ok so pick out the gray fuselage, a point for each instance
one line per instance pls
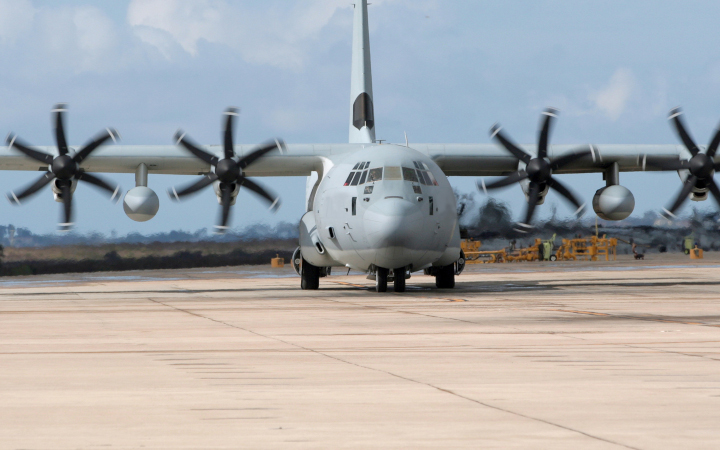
(389, 206)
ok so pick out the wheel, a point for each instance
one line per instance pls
(381, 277)
(445, 278)
(399, 279)
(310, 276)
(553, 258)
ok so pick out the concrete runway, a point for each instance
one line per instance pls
(590, 356)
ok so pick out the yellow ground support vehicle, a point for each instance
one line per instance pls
(531, 253)
(589, 249)
(473, 255)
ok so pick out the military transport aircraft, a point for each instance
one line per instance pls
(387, 210)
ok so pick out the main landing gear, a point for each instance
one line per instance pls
(445, 277)
(310, 276)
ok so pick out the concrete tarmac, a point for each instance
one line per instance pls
(563, 356)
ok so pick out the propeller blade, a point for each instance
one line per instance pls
(225, 201)
(549, 114)
(59, 111)
(102, 184)
(510, 179)
(667, 165)
(568, 158)
(66, 193)
(260, 152)
(715, 191)
(256, 188)
(682, 196)
(94, 144)
(682, 132)
(14, 142)
(231, 113)
(203, 182)
(180, 139)
(30, 190)
(712, 148)
(496, 132)
(532, 203)
(567, 193)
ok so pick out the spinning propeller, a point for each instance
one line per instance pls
(228, 171)
(537, 170)
(700, 165)
(64, 168)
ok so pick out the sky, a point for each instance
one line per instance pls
(443, 71)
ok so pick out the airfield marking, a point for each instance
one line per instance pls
(647, 319)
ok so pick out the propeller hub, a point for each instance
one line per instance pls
(227, 170)
(701, 166)
(64, 167)
(538, 170)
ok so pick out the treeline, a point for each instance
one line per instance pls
(23, 237)
(492, 223)
(114, 262)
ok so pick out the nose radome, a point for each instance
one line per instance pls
(394, 225)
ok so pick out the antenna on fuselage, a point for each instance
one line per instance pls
(406, 139)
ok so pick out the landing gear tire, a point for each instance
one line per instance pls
(399, 279)
(445, 278)
(310, 276)
(553, 258)
(381, 277)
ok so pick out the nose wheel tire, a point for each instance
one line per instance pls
(399, 279)
(445, 278)
(310, 276)
(381, 278)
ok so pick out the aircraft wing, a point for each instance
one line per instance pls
(302, 159)
(492, 160)
(295, 160)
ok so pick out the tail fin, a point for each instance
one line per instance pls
(362, 114)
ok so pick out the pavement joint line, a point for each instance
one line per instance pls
(432, 386)
(646, 319)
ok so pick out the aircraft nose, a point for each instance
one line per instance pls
(394, 225)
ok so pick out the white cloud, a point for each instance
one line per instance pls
(76, 39)
(613, 98)
(279, 33)
(16, 17)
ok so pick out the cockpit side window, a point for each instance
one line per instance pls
(424, 174)
(356, 178)
(409, 174)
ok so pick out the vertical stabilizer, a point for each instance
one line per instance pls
(362, 113)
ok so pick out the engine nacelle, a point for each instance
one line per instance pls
(233, 195)
(141, 203)
(57, 193)
(525, 186)
(700, 190)
(613, 202)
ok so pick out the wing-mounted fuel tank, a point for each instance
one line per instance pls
(141, 203)
(311, 243)
(613, 202)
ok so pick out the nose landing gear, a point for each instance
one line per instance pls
(382, 275)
